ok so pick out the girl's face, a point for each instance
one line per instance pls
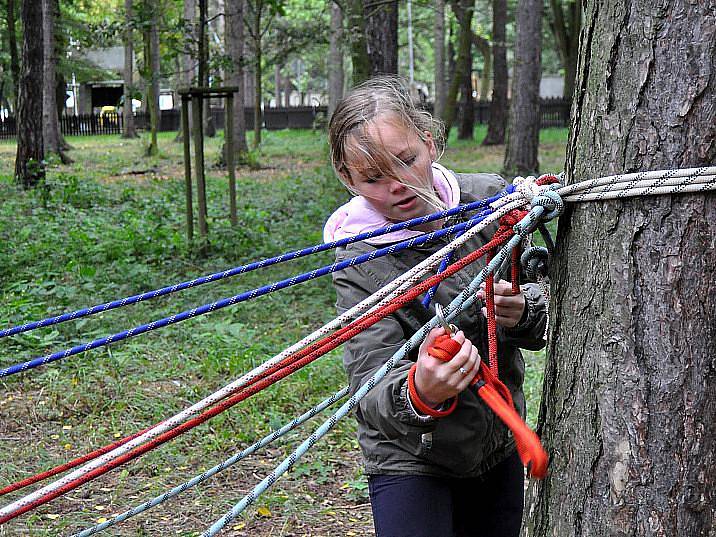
(409, 159)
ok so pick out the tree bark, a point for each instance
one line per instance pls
(10, 18)
(629, 405)
(521, 156)
(151, 56)
(439, 36)
(483, 45)
(256, 24)
(235, 73)
(335, 58)
(467, 119)
(203, 51)
(357, 41)
(128, 130)
(496, 126)
(50, 118)
(381, 35)
(30, 156)
(464, 10)
(566, 28)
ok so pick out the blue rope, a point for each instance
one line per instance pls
(249, 267)
(462, 301)
(218, 468)
(247, 295)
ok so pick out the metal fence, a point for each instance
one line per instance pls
(554, 113)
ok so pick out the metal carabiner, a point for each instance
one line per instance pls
(451, 329)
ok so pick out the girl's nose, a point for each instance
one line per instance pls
(396, 185)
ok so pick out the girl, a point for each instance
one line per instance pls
(458, 475)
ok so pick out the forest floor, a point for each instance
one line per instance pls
(112, 225)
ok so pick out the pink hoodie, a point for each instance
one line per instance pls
(358, 215)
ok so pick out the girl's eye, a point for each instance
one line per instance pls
(408, 161)
(371, 180)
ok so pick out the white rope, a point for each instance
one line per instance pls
(382, 296)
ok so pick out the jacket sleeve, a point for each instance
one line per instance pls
(528, 333)
(386, 407)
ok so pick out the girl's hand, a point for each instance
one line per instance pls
(435, 380)
(508, 307)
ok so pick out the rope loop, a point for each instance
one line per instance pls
(551, 201)
(535, 261)
(527, 186)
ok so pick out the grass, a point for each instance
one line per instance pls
(111, 225)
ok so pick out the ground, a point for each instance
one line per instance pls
(111, 225)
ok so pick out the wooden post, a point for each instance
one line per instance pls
(229, 144)
(187, 168)
(196, 105)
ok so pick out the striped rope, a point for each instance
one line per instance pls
(462, 301)
(302, 358)
(158, 500)
(231, 301)
(288, 256)
(501, 207)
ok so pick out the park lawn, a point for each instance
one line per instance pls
(111, 225)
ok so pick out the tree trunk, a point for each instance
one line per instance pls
(566, 29)
(381, 35)
(439, 36)
(523, 137)
(50, 119)
(467, 119)
(256, 23)
(127, 114)
(30, 156)
(463, 11)
(12, 45)
(151, 56)
(235, 10)
(209, 127)
(335, 58)
(277, 84)
(357, 41)
(483, 45)
(498, 104)
(629, 407)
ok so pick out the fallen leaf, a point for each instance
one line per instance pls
(264, 511)
(53, 516)
(101, 520)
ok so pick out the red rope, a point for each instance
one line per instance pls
(276, 372)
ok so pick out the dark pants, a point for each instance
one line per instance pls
(423, 506)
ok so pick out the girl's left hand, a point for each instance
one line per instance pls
(508, 307)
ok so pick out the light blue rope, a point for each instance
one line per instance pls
(218, 468)
(251, 266)
(462, 301)
(247, 295)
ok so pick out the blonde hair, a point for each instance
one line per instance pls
(382, 96)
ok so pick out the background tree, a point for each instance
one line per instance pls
(565, 21)
(234, 13)
(128, 130)
(52, 139)
(357, 40)
(152, 69)
(439, 80)
(523, 138)
(30, 156)
(335, 58)
(629, 404)
(498, 103)
(381, 32)
(10, 18)
(464, 10)
(203, 65)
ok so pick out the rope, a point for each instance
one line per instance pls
(463, 300)
(501, 206)
(219, 304)
(158, 500)
(291, 365)
(288, 256)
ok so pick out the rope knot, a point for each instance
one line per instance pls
(551, 201)
(535, 261)
(527, 186)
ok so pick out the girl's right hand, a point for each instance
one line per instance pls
(437, 381)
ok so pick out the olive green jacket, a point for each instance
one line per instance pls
(393, 438)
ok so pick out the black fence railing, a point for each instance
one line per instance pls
(554, 112)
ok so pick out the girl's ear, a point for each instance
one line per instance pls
(430, 143)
